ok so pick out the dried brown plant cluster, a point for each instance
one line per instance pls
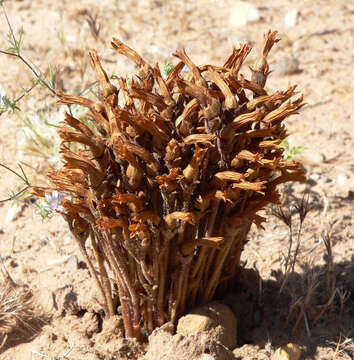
(167, 186)
(16, 308)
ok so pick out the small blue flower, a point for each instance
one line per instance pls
(53, 201)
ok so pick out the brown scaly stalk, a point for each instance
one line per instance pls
(168, 185)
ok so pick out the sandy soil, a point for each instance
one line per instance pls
(316, 53)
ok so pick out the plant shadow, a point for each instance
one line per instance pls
(304, 312)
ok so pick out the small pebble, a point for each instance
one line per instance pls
(287, 352)
(207, 357)
(342, 179)
(243, 13)
(315, 177)
(311, 158)
(290, 18)
(14, 212)
(67, 239)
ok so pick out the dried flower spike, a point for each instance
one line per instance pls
(169, 182)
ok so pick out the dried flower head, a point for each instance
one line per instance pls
(169, 181)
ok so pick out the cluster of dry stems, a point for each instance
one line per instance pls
(167, 186)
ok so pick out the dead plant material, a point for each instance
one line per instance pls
(16, 308)
(314, 291)
(156, 187)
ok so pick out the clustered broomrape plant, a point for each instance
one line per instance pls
(167, 186)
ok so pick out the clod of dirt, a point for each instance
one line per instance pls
(164, 346)
(216, 319)
(93, 323)
(66, 301)
(111, 341)
(287, 352)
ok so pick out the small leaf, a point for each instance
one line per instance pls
(167, 69)
(51, 77)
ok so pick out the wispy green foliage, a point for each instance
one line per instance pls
(291, 151)
(167, 69)
(7, 105)
(16, 43)
(42, 211)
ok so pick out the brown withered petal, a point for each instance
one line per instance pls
(252, 85)
(134, 202)
(214, 242)
(109, 223)
(238, 56)
(237, 88)
(125, 50)
(188, 110)
(288, 176)
(66, 99)
(164, 91)
(228, 194)
(78, 161)
(79, 207)
(270, 144)
(203, 201)
(107, 88)
(140, 230)
(169, 181)
(240, 121)
(191, 172)
(147, 216)
(282, 112)
(145, 155)
(129, 102)
(198, 78)
(69, 135)
(260, 133)
(173, 75)
(205, 139)
(260, 69)
(268, 100)
(78, 125)
(171, 219)
(173, 151)
(257, 186)
(271, 163)
(250, 156)
(197, 92)
(153, 99)
(230, 176)
(149, 126)
(230, 100)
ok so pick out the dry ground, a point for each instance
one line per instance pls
(316, 53)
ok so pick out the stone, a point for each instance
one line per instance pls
(14, 212)
(290, 18)
(287, 352)
(243, 13)
(200, 346)
(341, 179)
(214, 318)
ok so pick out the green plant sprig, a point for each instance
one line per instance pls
(291, 151)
